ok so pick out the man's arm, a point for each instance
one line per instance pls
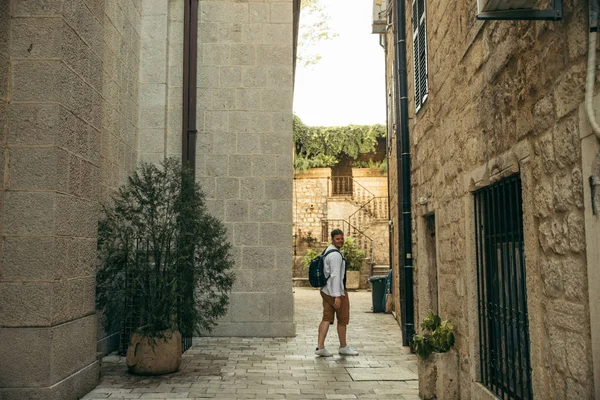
(336, 277)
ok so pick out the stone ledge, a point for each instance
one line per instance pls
(73, 387)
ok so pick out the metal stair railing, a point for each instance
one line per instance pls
(347, 185)
(376, 208)
(363, 241)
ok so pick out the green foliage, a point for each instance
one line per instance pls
(165, 262)
(322, 146)
(353, 255)
(380, 165)
(438, 336)
(310, 255)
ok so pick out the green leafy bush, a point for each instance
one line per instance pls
(310, 255)
(165, 262)
(323, 146)
(438, 336)
(353, 255)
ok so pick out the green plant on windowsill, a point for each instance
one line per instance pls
(438, 336)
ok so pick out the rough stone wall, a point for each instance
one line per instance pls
(309, 202)
(69, 134)
(394, 198)
(374, 181)
(244, 140)
(495, 89)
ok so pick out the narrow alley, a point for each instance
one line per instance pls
(282, 368)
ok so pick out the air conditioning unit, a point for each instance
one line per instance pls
(518, 10)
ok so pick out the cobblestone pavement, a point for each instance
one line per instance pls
(282, 368)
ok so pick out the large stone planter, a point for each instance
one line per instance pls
(352, 279)
(438, 376)
(154, 356)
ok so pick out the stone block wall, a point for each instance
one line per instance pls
(504, 98)
(68, 124)
(244, 140)
(312, 204)
(375, 181)
(309, 202)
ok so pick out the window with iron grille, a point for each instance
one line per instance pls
(505, 365)
(419, 26)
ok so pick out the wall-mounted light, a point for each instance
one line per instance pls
(422, 201)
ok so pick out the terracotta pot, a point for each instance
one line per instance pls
(352, 279)
(154, 356)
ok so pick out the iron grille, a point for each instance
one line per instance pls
(503, 321)
(143, 250)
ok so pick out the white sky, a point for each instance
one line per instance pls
(347, 86)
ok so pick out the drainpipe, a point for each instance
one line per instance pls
(190, 65)
(403, 171)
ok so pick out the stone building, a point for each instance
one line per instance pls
(504, 232)
(357, 204)
(90, 88)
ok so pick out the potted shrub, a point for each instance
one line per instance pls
(354, 261)
(165, 265)
(438, 365)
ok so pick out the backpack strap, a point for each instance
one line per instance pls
(326, 253)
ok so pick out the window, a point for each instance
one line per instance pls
(420, 53)
(505, 365)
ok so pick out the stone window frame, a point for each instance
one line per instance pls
(515, 160)
(419, 35)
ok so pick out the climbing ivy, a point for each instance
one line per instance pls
(323, 146)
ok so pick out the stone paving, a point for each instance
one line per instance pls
(282, 368)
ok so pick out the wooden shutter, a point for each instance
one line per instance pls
(419, 26)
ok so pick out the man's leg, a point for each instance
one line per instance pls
(341, 329)
(328, 315)
(323, 329)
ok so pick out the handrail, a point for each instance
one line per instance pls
(354, 181)
(324, 238)
(349, 225)
(364, 207)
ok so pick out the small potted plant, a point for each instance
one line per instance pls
(354, 261)
(165, 265)
(437, 365)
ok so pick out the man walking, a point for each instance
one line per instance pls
(335, 297)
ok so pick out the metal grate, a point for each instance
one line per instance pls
(503, 322)
(143, 251)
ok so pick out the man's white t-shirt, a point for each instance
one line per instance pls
(335, 267)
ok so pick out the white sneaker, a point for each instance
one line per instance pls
(322, 352)
(348, 351)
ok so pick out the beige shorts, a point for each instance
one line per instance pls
(342, 314)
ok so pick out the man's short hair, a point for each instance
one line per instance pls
(336, 232)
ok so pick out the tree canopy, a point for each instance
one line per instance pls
(323, 146)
